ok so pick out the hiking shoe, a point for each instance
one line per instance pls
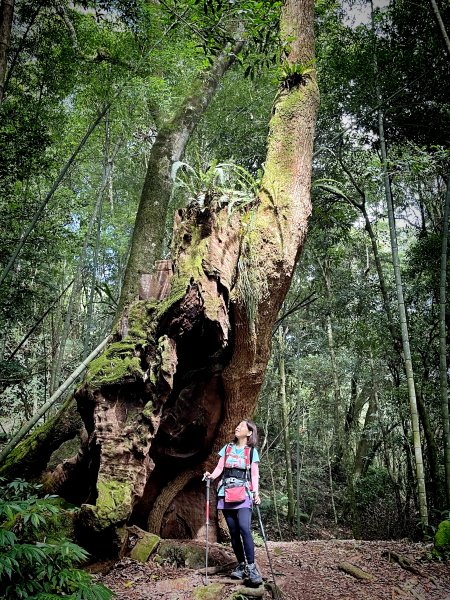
(253, 575)
(239, 571)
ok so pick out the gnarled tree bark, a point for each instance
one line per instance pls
(146, 248)
(183, 369)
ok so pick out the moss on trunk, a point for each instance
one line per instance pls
(181, 372)
(149, 389)
(169, 146)
(30, 457)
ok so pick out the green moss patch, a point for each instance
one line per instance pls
(147, 411)
(62, 527)
(68, 449)
(442, 541)
(116, 365)
(181, 554)
(113, 501)
(178, 290)
(213, 591)
(144, 547)
(16, 461)
(140, 320)
(119, 363)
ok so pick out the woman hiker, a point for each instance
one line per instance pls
(238, 489)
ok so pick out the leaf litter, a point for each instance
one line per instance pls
(304, 570)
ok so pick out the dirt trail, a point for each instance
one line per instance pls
(309, 570)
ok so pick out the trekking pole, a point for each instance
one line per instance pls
(267, 549)
(208, 485)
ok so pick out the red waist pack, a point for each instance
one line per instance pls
(235, 494)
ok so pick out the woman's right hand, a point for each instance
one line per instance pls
(206, 475)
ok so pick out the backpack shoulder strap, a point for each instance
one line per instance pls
(227, 452)
(248, 456)
(248, 461)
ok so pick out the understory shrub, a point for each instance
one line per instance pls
(382, 513)
(441, 548)
(31, 564)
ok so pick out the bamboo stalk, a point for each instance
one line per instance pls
(437, 12)
(35, 418)
(443, 345)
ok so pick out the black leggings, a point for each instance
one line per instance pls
(239, 523)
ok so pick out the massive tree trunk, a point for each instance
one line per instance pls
(168, 148)
(186, 368)
(187, 365)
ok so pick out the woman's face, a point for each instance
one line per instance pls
(242, 430)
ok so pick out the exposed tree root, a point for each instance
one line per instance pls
(403, 561)
(355, 571)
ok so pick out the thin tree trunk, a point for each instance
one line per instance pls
(76, 288)
(90, 300)
(420, 472)
(383, 287)
(24, 236)
(364, 452)
(44, 347)
(336, 386)
(330, 479)
(266, 430)
(443, 345)
(352, 412)
(441, 25)
(365, 442)
(285, 425)
(298, 469)
(390, 468)
(274, 498)
(168, 148)
(431, 450)
(334, 370)
(6, 20)
(54, 398)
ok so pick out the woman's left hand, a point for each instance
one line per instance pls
(256, 499)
